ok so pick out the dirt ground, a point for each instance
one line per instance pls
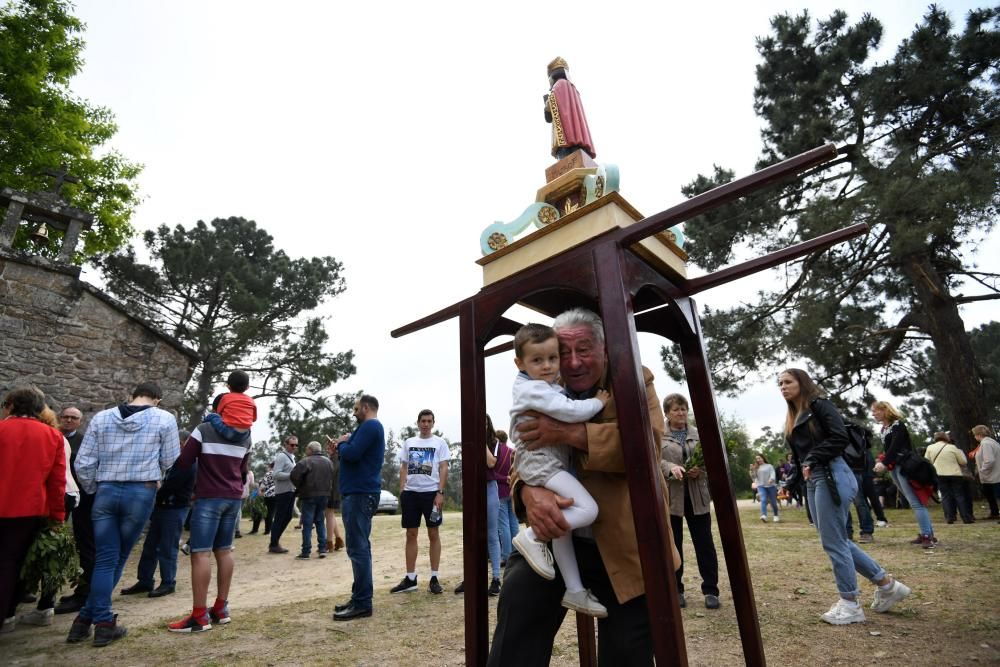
(281, 607)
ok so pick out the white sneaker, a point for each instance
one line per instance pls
(844, 613)
(8, 624)
(884, 600)
(776, 518)
(537, 554)
(882, 524)
(585, 603)
(763, 517)
(37, 617)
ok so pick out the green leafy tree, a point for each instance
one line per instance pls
(308, 420)
(918, 162)
(929, 390)
(227, 292)
(43, 125)
(390, 466)
(734, 434)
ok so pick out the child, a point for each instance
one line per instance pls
(234, 413)
(537, 358)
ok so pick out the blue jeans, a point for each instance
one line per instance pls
(768, 494)
(314, 512)
(120, 511)
(919, 510)
(864, 512)
(162, 539)
(357, 510)
(213, 523)
(846, 557)
(508, 527)
(492, 523)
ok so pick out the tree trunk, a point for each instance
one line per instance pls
(964, 400)
(199, 400)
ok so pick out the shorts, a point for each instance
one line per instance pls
(415, 504)
(213, 523)
(333, 503)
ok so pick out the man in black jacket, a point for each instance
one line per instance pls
(165, 526)
(313, 478)
(83, 530)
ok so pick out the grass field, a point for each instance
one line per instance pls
(282, 608)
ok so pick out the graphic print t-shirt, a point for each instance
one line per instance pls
(421, 457)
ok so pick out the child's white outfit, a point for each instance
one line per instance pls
(549, 467)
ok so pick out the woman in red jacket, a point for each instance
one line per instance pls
(32, 485)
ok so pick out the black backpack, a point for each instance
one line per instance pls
(859, 441)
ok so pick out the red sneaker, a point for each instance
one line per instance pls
(220, 616)
(191, 624)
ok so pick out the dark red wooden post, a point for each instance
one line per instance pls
(699, 380)
(477, 643)
(641, 462)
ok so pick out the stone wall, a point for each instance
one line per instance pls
(77, 344)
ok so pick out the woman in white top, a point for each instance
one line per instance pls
(766, 484)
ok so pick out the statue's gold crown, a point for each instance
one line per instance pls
(558, 63)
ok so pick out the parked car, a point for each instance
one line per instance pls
(387, 503)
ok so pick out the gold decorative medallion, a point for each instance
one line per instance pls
(497, 241)
(548, 215)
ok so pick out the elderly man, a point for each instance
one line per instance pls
(83, 530)
(530, 612)
(122, 459)
(313, 479)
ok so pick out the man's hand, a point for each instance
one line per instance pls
(806, 472)
(544, 512)
(544, 431)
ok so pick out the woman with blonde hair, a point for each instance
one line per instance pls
(896, 440)
(816, 434)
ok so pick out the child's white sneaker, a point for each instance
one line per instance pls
(537, 554)
(776, 519)
(585, 603)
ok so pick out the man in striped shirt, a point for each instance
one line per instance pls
(122, 459)
(222, 472)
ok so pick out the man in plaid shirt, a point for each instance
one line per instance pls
(122, 458)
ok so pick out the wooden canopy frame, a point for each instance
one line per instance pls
(607, 276)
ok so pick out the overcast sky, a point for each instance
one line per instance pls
(389, 134)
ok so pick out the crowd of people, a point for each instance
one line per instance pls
(558, 471)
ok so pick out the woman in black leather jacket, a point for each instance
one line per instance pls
(815, 432)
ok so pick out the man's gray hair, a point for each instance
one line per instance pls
(576, 317)
(314, 447)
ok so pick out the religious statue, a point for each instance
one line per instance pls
(565, 111)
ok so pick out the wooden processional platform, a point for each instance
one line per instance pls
(621, 273)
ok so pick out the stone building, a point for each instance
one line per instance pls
(75, 343)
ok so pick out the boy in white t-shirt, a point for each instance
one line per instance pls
(423, 472)
(537, 358)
